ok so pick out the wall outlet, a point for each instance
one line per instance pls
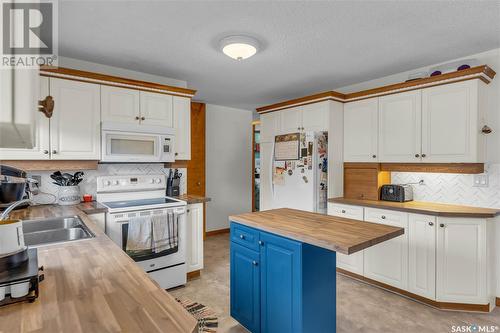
(481, 180)
(38, 178)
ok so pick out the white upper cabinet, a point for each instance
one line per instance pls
(462, 261)
(422, 255)
(399, 134)
(451, 123)
(41, 147)
(120, 105)
(269, 126)
(75, 124)
(291, 120)
(361, 131)
(182, 125)
(156, 109)
(315, 116)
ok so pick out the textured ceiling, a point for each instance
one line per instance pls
(308, 46)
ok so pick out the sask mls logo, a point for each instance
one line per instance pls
(29, 33)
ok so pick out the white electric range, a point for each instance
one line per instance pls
(126, 197)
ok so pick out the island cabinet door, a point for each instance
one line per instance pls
(245, 287)
(281, 279)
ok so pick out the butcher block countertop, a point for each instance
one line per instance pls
(92, 286)
(330, 232)
(421, 207)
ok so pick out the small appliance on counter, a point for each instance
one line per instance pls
(398, 193)
(20, 283)
(14, 186)
(173, 183)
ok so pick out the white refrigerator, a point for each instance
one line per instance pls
(294, 172)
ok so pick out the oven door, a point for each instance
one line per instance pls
(117, 230)
(131, 147)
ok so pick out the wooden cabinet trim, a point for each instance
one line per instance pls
(91, 77)
(483, 73)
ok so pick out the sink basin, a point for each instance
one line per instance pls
(55, 230)
(51, 224)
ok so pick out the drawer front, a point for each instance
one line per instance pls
(347, 211)
(245, 236)
(384, 216)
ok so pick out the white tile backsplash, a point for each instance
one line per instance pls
(453, 188)
(88, 185)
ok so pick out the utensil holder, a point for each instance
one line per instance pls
(69, 195)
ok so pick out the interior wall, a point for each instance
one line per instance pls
(117, 71)
(228, 164)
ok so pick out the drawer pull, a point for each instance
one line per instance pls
(441, 225)
(255, 263)
(261, 243)
(431, 223)
(343, 211)
(417, 155)
(242, 236)
(383, 217)
(374, 156)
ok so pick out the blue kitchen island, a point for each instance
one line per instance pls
(283, 267)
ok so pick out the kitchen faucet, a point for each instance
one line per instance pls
(7, 211)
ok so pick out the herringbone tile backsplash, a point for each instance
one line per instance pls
(453, 188)
(89, 184)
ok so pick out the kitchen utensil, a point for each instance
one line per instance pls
(11, 237)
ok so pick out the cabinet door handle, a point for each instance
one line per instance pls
(255, 263)
(137, 118)
(242, 237)
(383, 217)
(176, 154)
(431, 223)
(343, 211)
(417, 155)
(441, 225)
(143, 118)
(261, 243)
(45, 152)
(54, 151)
(374, 156)
(198, 183)
(188, 210)
(423, 155)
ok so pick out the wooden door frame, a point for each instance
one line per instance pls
(254, 124)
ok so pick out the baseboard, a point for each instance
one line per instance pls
(217, 232)
(193, 274)
(418, 298)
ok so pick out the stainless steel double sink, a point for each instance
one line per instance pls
(55, 230)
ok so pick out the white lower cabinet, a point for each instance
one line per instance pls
(422, 255)
(461, 260)
(194, 243)
(387, 262)
(446, 259)
(353, 262)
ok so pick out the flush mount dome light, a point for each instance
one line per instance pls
(239, 47)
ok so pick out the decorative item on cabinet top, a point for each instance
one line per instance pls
(91, 77)
(483, 73)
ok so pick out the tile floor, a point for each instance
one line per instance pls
(360, 307)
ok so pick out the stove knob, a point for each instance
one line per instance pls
(157, 180)
(107, 183)
(116, 182)
(152, 181)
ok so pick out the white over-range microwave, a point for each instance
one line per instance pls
(137, 143)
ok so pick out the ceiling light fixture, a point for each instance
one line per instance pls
(239, 47)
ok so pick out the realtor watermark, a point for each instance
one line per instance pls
(29, 33)
(474, 328)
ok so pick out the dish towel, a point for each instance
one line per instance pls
(165, 231)
(139, 234)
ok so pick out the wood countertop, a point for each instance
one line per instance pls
(192, 199)
(330, 232)
(93, 207)
(92, 286)
(421, 207)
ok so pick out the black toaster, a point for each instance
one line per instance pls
(399, 193)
